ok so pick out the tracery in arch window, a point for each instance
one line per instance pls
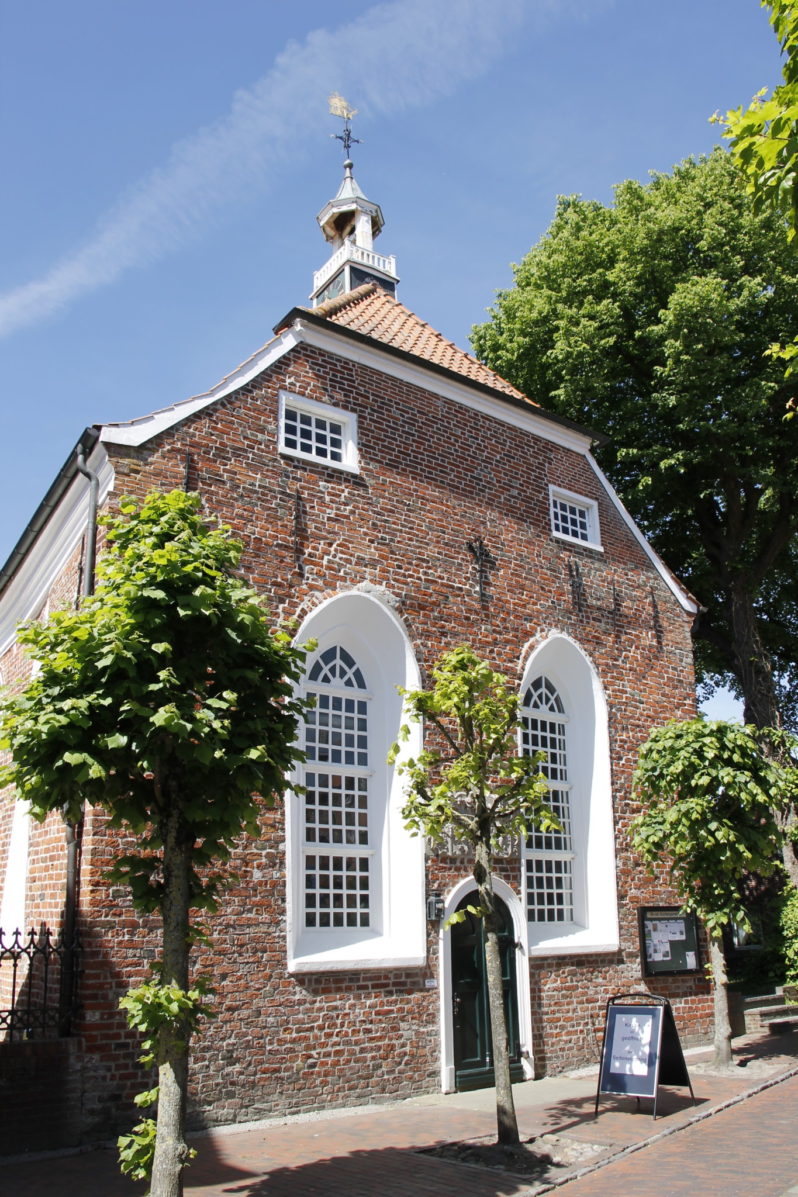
(337, 847)
(549, 856)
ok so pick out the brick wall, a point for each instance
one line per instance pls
(41, 1089)
(434, 476)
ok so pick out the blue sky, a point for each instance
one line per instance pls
(164, 162)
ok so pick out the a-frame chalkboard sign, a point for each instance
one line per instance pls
(641, 1048)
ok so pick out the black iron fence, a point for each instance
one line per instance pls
(38, 984)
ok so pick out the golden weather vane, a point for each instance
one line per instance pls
(340, 107)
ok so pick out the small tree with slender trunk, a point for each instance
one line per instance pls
(473, 781)
(167, 701)
(711, 793)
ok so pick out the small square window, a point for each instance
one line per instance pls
(573, 517)
(317, 432)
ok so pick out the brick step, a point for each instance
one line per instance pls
(779, 1024)
(759, 1017)
(757, 1001)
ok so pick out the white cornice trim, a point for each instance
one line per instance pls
(674, 585)
(137, 432)
(26, 593)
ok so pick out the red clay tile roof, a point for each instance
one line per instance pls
(374, 313)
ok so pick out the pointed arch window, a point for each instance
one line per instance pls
(337, 835)
(549, 856)
(355, 884)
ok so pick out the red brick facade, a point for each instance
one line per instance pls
(435, 474)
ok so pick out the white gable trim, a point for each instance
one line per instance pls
(685, 598)
(137, 432)
(55, 544)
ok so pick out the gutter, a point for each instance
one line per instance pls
(81, 453)
(73, 832)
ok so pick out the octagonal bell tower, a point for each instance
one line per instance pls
(350, 223)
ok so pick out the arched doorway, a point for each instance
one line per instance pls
(471, 1035)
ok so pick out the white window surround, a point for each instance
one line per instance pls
(370, 631)
(574, 518)
(317, 432)
(12, 901)
(595, 924)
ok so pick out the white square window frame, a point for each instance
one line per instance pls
(350, 461)
(588, 506)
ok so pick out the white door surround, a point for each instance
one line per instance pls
(515, 906)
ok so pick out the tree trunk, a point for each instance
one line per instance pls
(760, 702)
(171, 1151)
(720, 997)
(506, 1121)
(789, 850)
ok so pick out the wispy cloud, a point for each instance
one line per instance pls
(401, 54)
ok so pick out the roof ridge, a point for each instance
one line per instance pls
(379, 315)
(338, 302)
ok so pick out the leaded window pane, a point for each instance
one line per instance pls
(336, 667)
(337, 892)
(549, 855)
(336, 731)
(336, 809)
(550, 895)
(317, 436)
(570, 519)
(336, 800)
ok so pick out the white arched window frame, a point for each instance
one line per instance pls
(15, 875)
(15, 880)
(355, 875)
(569, 875)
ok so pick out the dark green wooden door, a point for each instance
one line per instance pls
(473, 1056)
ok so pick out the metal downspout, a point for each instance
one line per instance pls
(73, 830)
(91, 522)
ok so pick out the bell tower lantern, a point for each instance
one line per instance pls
(350, 223)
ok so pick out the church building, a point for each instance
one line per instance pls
(395, 498)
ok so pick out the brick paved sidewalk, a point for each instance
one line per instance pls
(747, 1150)
(367, 1153)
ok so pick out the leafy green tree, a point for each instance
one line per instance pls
(764, 136)
(650, 321)
(166, 701)
(788, 920)
(710, 791)
(474, 782)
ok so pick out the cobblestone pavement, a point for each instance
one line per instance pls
(741, 1137)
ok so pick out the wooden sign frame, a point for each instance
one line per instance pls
(640, 1050)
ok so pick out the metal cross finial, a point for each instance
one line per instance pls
(339, 107)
